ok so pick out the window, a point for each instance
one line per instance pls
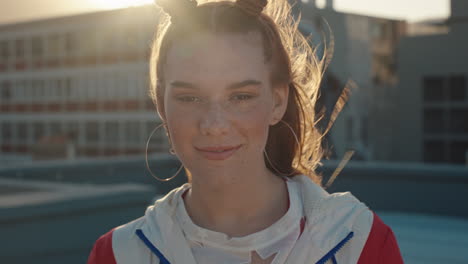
(71, 129)
(434, 151)
(7, 132)
(38, 89)
(65, 85)
(53, 46)
(37, 47)
(433, 89)
(458, 152)
(58, 91)
(22, 132)
(457, 88)
(434, 121)
(5, 90)
(92, 89)
(88, 47)
(55, 128)
(19, 48)
(112, 132)
(459, 121)
(70, 43)
(132, 132)
(20, 88)
(92, 131)
(110, 46)
(379, 30)
(4, 51)
(38, 131)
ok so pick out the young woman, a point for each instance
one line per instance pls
(235, 85)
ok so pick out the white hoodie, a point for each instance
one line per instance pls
(336, 230)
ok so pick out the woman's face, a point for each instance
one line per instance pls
(219, 101)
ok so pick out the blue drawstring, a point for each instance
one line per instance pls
(334, 260)
(332, 253)
(163, 260)
(323, 260)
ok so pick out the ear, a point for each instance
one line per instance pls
(280, 96)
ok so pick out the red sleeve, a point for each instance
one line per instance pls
(381, 246)
(102, 252)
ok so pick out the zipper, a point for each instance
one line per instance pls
(162, 259)
(331, 254)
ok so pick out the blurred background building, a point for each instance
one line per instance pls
(77, 86)
(432, 92)
(365, 52)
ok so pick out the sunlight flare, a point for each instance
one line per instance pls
(113, 4)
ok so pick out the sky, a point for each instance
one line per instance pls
(13, 11)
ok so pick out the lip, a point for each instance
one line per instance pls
(218, 152)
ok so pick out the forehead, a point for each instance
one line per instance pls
(217, 57)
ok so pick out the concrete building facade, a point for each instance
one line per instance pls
(365, 52)
(433, 94)
(83, 79)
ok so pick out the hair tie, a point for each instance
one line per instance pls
(253, 7)
(177, 9)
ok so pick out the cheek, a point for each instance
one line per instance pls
(255, 124)
(180, 125)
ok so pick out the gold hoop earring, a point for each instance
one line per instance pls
(268, 158)
(171, 149)
(147, 163)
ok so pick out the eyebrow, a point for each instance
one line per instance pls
(236, 85)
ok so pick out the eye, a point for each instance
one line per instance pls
(242, 97)
(188, 99)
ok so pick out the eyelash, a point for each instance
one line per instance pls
(194, 99)
(243, 97)
(188, 99)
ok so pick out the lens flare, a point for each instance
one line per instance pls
(113, 4)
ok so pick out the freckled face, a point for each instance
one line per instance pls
(219, 102)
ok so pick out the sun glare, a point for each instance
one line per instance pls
(113, 4)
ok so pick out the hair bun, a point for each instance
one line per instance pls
(177, 8)
(253, 7)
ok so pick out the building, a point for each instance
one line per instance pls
(365, 53)
(432, 93)
(83, 78)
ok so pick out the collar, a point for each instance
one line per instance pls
(330, 219)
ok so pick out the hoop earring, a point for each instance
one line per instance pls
(268, 158)
(171, 149)
(147, 163)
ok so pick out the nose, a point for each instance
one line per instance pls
(214, 121)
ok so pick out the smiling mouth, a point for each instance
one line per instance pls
(218, 153)
(217, 149)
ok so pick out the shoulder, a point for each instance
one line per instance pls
(124, 245)
(102, 252)
(119, 245)
(331, 217)
(341, 207)
(381, 245)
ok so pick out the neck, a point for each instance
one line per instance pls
(239, 205)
